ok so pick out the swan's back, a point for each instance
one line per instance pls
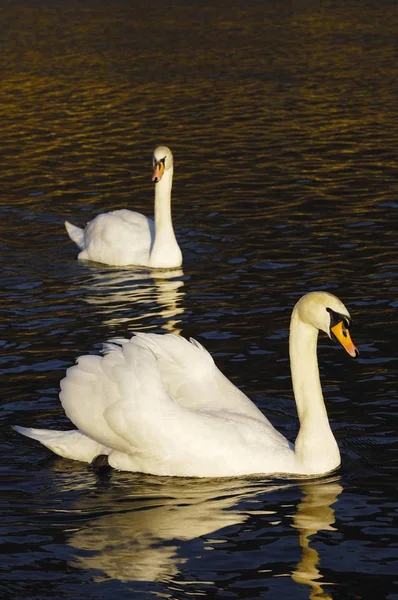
(122, 237)
(162, 406)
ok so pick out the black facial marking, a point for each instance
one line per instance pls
(157, 162)
(335, 318)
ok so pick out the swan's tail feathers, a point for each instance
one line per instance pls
(69, 444)
(76, 234)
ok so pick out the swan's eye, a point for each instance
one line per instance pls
(336, 317)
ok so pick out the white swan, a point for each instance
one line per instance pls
(158, 404)
(123, 237)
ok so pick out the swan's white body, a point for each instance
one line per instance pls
(158, 404)
(124, 237)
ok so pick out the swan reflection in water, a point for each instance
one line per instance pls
(143, 537)
(314, 514)
(127, 296)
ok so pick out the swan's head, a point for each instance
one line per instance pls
(162, 161)
(327, 313)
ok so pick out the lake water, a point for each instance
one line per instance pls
(282, 117)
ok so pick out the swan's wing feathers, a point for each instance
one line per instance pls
(175, 349)
(198, 345)
(88, 389)
(158, 404)
(187, 372)
(120, 237)
(89, 364)
(113, 345)
(113, 398)
(191, 378)
(135, 219)
(138, 415)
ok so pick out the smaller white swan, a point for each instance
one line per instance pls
(124, 237)
(158, 404)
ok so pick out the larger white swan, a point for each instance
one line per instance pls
(158, 404)
(124, 237)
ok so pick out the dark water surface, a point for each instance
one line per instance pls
(282, 117)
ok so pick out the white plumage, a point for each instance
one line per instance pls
(124, 237)
(158, 404)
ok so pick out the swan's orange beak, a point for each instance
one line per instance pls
(158, 170)
(342, 335)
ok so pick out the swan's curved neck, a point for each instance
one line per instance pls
(315, 446)
(165, 251)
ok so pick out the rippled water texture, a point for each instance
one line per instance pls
(282, 117)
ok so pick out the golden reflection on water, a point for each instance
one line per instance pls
(119, 293)
(314, 513)
(144, 544)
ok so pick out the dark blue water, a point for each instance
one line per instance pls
(282, 120)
